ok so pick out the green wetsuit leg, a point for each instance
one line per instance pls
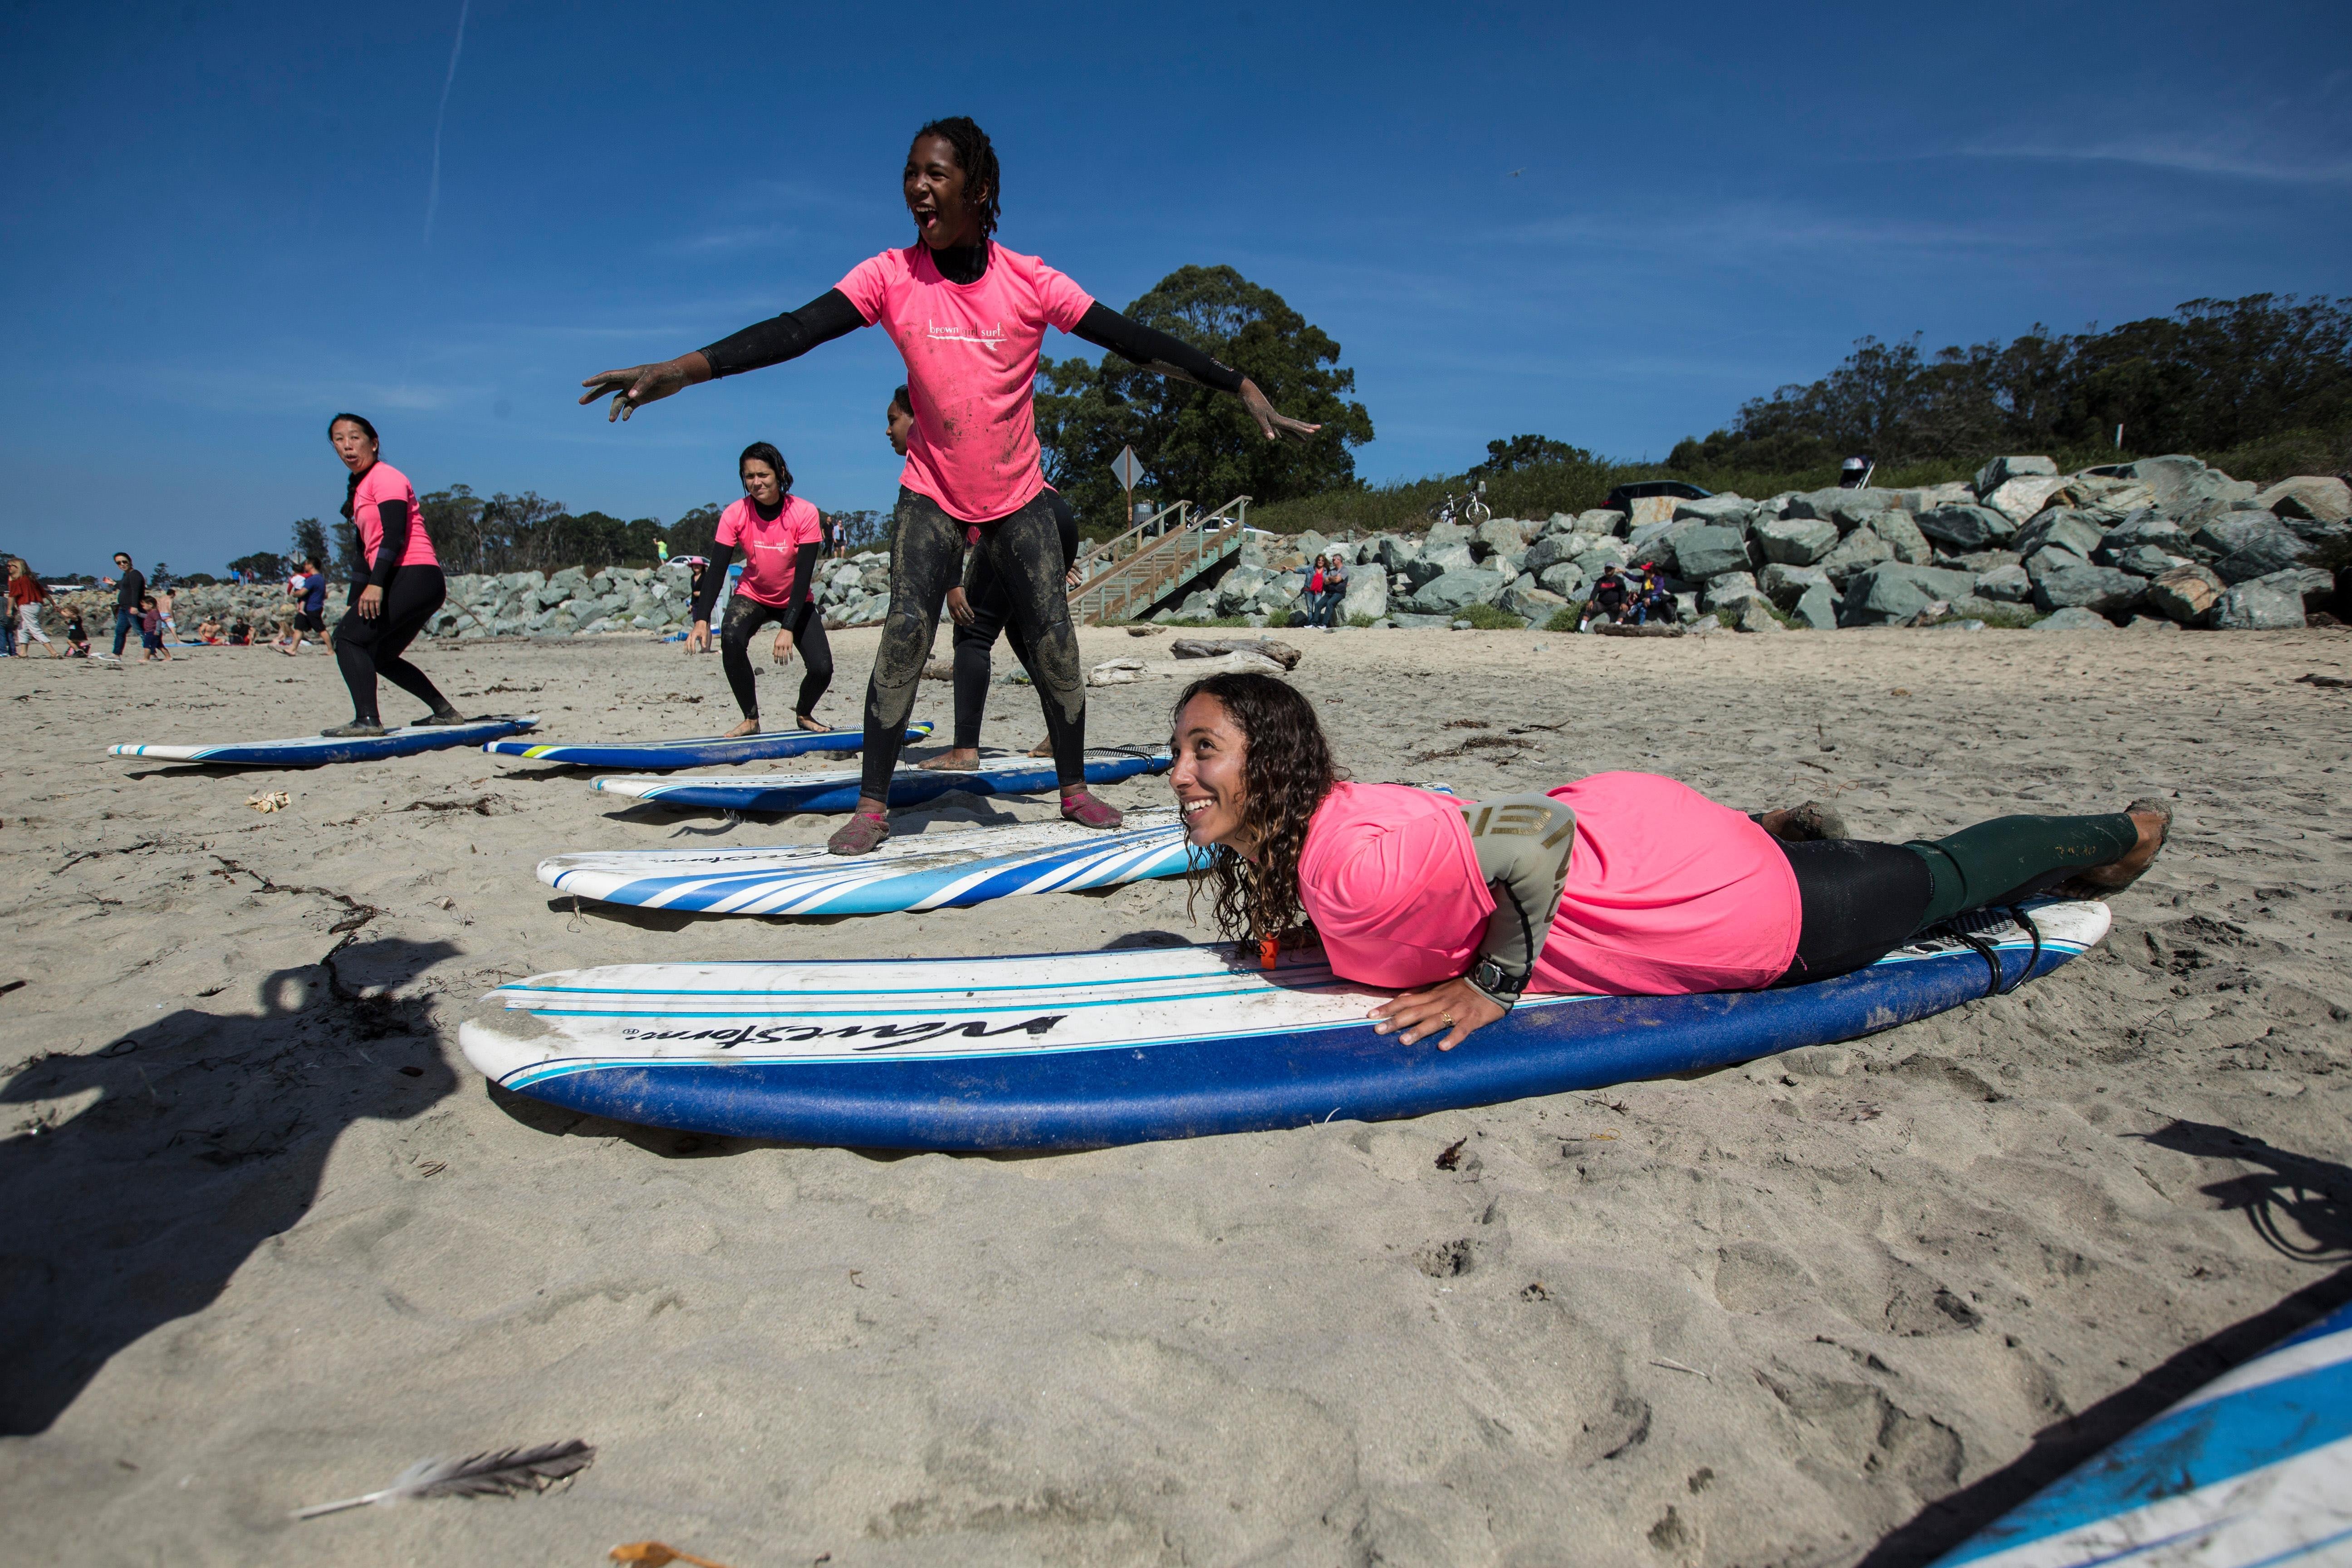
(2014, 858)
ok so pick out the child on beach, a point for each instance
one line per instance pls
(150, 632)
(77, 637)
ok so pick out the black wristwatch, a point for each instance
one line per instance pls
(1498, 985)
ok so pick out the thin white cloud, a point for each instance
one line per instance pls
(2234, 156)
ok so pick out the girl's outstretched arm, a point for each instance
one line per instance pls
(828, 316)
(1179, 361)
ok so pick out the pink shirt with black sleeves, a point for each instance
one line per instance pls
(381, 483)
(971, 367)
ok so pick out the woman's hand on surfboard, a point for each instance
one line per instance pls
(1274, 424)
(371, 601)
(1454, 1008)
(698, 637)
(642, 383)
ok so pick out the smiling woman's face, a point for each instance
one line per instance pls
(934, 184)
(1210, 790)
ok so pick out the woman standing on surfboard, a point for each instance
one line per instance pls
(396, 589)
(1620, 884)
(969, 315)
(781, 537)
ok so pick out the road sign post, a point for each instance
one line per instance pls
(1128, 470)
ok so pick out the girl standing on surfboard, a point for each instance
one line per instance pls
(395, 591)
(1620, 884)
(781, 537)
(969, 315)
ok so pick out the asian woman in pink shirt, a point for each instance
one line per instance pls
(1618, 884)
(969, 316)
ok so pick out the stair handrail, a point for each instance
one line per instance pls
(1109, 551)
(1097, 590)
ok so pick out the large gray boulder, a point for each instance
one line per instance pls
(1608, 552)
(2000, 471)
(1755, 615)
(1902, 537)
(1565, 578)
(1847, 508)
(2312, 496)
(2312, 585)
(2074, 619)
(1728, 591)
(1962, 528)
(1709, 551)
(2226, 533)
(1784, 584)
(1552, 549)
(1535, 603)
(1396, 551)
(2143, 561)
(2021, 497)
(2259, 607)
(1455, 590)
(1433, 564)
(1366, 594)
(1443, 534)
(2068, 530)
(2182, 483)
(1724, 511)
(1857, 552)
(2251, 544)
(1892, 592)
(1239, 588)
(1501, 535)
(2005, 584)
(1796, 541)
(2145, 527)
(2186, 595)
(2100, 588)
(1816, 608)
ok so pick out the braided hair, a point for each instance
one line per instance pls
(976, 156)
(1286, 769)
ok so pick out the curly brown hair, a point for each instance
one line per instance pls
(1286, 769)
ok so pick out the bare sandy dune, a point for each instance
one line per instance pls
(268, 1239)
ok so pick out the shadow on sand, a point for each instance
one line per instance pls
(205, 1137)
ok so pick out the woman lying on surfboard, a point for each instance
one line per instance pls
(1622, 884)
(969, 316)
(780, 536)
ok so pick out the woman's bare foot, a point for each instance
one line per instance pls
(1042, 749)
(747, 727)
(2154, 820)
(811, 723)
(962, 759)
(1808, 824)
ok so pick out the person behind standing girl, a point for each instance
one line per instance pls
(26, 596)
(150, 632)
(780, 536)
(395, 591)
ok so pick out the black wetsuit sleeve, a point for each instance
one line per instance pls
(1153, 348)
(779, 338)
(1523, 843)
(391, 544)
(796, 608)
(1066, 523)
(722, 557)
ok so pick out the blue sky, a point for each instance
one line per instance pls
(1608, 225)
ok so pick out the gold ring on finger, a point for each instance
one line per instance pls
(1449, 1020)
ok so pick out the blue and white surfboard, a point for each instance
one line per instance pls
(1083, 1049)
(923, 871)
(835, 789)
(702, 752)
(2252, 1469)
(307, 751)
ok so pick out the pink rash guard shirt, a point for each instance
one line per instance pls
(381, 483)
(971, 368)
(770, 548)
(1668, 893)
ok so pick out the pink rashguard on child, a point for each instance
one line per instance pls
(971, 367)
(1668, 892)
(381, 483)
(770, 548)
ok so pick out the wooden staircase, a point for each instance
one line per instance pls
(1128, 575)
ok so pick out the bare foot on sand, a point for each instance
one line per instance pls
(1041, 749)
(747, 727)
(1808, 824)
(2154, 820)
(812, 723)
(962, 759)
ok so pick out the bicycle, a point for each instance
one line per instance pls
(1472, 513)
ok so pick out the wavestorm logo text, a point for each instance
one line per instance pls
(881, 1036)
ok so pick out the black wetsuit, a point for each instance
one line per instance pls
(927, 551)
(126, 595)
(746, 615)
(991, 612)
(365, 647)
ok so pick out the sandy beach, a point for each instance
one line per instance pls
(269, 1239)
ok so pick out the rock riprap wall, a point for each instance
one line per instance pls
(2021, 543)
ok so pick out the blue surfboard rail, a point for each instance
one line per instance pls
(310, 750)
(2212, 1481)
(1196, 1087)
(908, 786)
(700, 751)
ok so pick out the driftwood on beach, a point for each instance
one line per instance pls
(1282, 653)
